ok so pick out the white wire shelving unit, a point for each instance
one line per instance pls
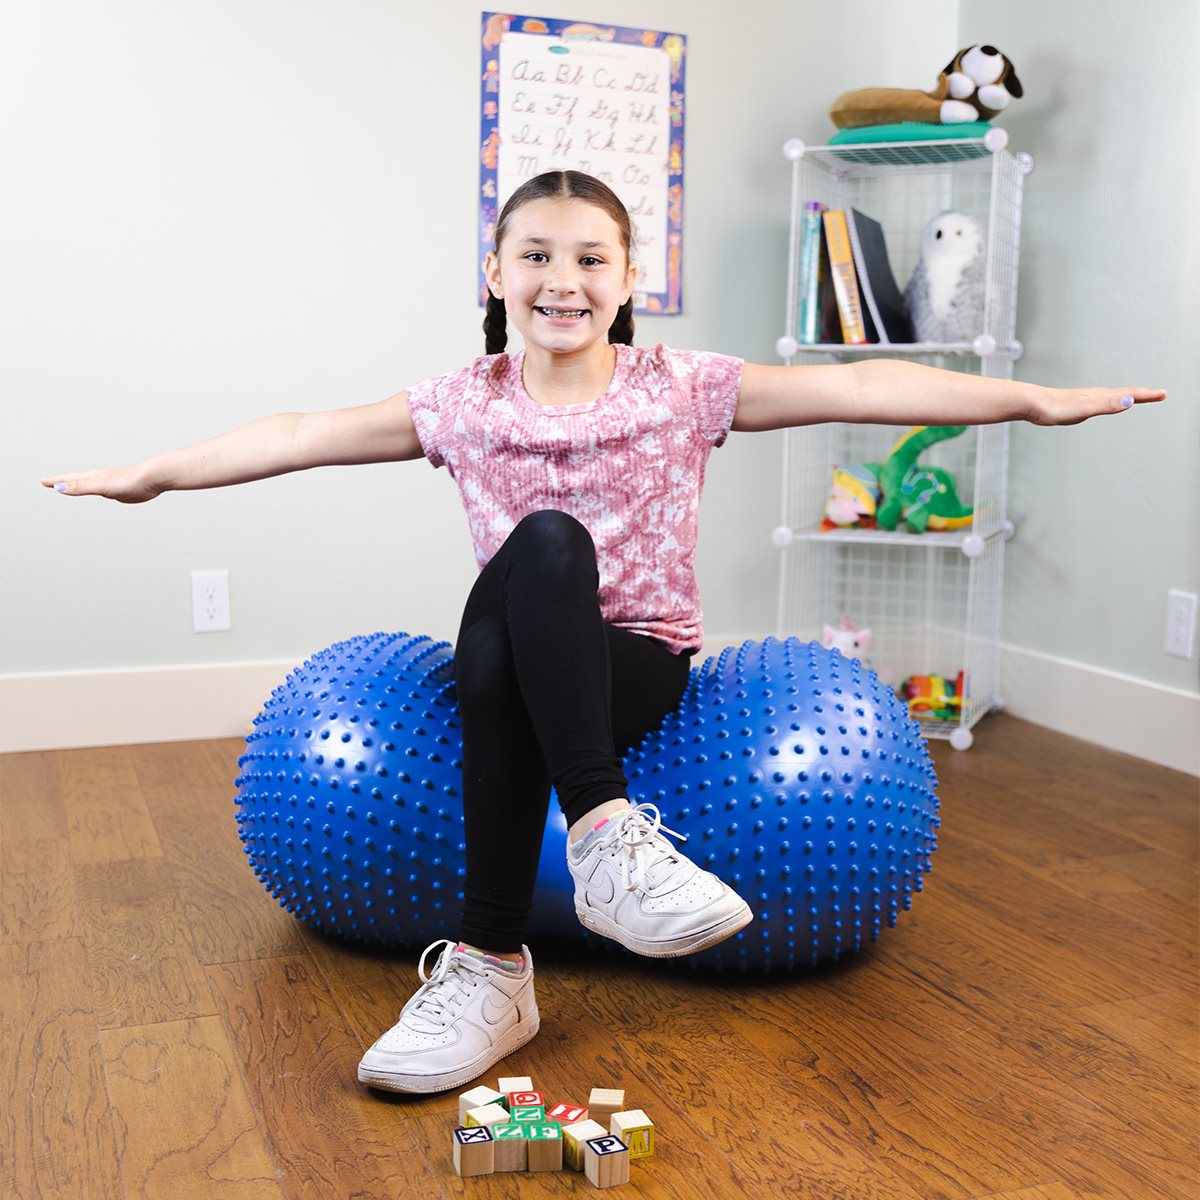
(933, 601)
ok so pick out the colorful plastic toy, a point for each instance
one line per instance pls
(853, 497)
(934, 696)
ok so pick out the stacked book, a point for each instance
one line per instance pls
(848, 294)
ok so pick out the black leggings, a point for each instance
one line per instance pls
(549, 693)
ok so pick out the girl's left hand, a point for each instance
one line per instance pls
(1069, 406)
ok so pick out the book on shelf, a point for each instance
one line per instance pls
(819, 323)
(847, 292)
(850, 309)
(885, 313)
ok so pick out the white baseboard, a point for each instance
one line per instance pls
(1118, 712)
(60, 710)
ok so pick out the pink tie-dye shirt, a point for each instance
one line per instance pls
(628, 465)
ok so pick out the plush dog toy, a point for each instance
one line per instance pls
(976, 85)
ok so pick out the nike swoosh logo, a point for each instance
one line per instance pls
(498, 1014)
(596, 894)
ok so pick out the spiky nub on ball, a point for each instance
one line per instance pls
(803, 783)
(350, 803)
(796, 775)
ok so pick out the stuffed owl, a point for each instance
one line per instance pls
(946, 292)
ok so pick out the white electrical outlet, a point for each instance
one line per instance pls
(210, 601)
(1181, 624)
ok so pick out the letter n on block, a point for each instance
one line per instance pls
(526, 1113)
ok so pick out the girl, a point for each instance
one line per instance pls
(580, 463)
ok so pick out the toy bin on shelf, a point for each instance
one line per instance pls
(932, 601)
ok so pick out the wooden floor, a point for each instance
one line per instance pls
(1028, 1031)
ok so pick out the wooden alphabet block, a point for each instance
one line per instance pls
(604, 1102)
(515, 1083)
(606, 1161)
(636, 1130)
(511, 1147)
(489, 1114)
(474, 1151)
(527, 1112)
(523, 1099)
(478, 1097)
(567, 1114)
(574, 1137)
(545, 1146)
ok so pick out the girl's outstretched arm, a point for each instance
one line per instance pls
(897, 392)
(382, 432)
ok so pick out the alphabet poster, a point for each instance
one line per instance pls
(601, 99)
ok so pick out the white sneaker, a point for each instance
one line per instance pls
(463, 1018)
(633, 887)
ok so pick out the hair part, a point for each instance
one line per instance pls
(560, 185)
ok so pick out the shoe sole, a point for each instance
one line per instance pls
(665, 948)
(398, 1081)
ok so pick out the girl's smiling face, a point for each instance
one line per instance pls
(562, 271)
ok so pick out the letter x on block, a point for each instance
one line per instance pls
(473, 1133)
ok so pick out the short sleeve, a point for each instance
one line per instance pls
(434, 405)
(713, 381)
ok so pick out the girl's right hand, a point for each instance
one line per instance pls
(126, 484)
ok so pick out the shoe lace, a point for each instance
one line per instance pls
(640, 832)
(442, 991)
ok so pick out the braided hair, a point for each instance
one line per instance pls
(574, 185)
(495, 326)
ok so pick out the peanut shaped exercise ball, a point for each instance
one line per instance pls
(795, 774)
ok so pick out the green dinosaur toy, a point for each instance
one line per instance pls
(920, 496)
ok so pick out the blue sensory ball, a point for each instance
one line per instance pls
(794, 774)
(800, 780)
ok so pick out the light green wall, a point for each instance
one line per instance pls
(1108, 514)
(213, 212)
(218, 211)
